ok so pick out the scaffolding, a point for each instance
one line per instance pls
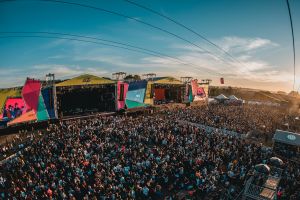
(267, 191)
(119, 75)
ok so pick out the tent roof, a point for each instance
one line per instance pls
(287, 137)
(232, 97)
(85, 79)
(167, 80)
(221, 97)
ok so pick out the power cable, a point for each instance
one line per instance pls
(131, 18)
(292, 28)
(185, 27)
(144, 51)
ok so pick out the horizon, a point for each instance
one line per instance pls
(256, 33)
(212, 85)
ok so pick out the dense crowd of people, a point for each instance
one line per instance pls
(241, 119)
(145, 157)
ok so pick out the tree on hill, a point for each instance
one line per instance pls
(294, 94)
(132, 77)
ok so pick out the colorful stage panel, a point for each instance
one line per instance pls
(30, 94)
(49, 101)
(42, 113)
(136, 94)
(159, 94)
(194, 84)
(26, 117)
(201, 95)
(134, 104)
(17, 105)
(122, 93)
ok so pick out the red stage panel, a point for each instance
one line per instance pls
(30, 94)
(194, 84)
(159, 94)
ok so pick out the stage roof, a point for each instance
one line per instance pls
(85, 79)
(167, 80)
(287, 137)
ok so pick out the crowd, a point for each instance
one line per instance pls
(263, 120)
(145, 157)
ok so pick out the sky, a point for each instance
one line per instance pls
(256, 33)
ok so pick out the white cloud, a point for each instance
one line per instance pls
(238, 44)
(196, 63)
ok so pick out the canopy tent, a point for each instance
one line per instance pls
(276, 161)
(286, 137)
(232, 97)
(27, 117)
(262, 168)
(221, 97)
(85, 79)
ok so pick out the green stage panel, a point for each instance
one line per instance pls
(42, 113)
(134, 104)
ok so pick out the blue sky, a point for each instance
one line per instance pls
(256, 32)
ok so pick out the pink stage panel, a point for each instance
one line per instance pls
(122, 91)
(30, 94)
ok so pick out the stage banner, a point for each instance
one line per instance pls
(159, 94)
(136, 94)
(30, 94)
(194, 84)
(48, 98)
(14, 107)
(122, 92)
(191, 97)
(136, 91)
(42, 113)
(188, 94)
(201, 95)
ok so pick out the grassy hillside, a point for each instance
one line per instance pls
(252, 94)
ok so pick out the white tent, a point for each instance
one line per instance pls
(232, 97)
(221, 97)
